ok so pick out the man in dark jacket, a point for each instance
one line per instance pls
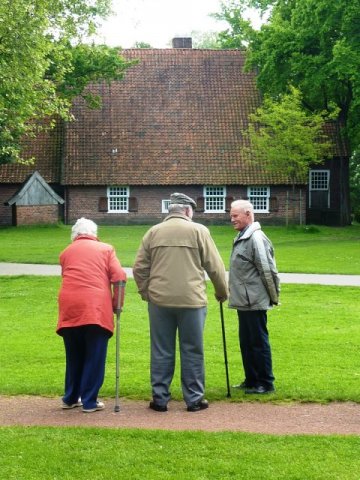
(254, 288)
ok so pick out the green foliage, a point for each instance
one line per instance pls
(209, 40)
(355, 185)
(142, 45)
(43, 64)
(99, 453)
(87, 64)
(240, 30)
(286, 140)
(23, 61)
(311, 44)
(311, 229)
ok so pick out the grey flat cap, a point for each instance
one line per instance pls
(182, 199)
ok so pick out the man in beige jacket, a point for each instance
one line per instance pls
(169, 272)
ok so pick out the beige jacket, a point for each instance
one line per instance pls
(169, 267)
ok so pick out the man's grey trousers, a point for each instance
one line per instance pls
(164, 323)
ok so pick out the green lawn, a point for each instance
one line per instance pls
(315, 336)
(89, 453)
(298, 249)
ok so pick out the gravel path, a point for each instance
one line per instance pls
(267, 418)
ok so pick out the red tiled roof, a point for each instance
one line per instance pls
(176, 118)
(339, 148)
(46, 149)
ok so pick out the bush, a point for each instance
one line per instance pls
(357, 215)
(311, 229)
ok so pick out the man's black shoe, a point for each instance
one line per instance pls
(198, 406)
(260, 390)
(157, 407)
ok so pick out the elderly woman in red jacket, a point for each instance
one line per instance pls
(87, 298)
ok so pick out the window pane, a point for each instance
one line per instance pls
(117, 191)
(259, 203)
(165, 206)
(319, 179)
(215, 199)
(258, 191)
(118, 199)
(259, 197)
(319, 195)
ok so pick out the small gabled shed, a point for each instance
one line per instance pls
(35, 203)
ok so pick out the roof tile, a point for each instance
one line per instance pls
(176, 118)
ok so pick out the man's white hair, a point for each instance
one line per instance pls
(243, 205)
(177, 207)
(84, 226)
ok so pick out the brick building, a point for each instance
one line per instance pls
(175, 123)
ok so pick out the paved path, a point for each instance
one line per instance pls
(307, 278)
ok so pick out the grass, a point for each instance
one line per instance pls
(298, 249)
(314, 335)
(40, 453)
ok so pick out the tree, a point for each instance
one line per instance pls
(313, 45)
(142, 45)
(87, 64)
(285, 140)
(240, 31)
(355, 185)
(206, 40)
(287, 137)
(43, 64)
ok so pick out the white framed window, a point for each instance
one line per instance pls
(165, 206)
(118, 199)
(214, 199)
(259, 197)
(319, 189)
(319, 179)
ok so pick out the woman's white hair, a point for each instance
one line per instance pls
(84, 226)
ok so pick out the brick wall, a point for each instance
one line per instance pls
(6, 192)
(37, 214)
(84, 202)
(291, 206)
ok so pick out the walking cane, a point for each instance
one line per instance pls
(225, 353)
(121, 289)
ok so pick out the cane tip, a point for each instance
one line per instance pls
(117, 408)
